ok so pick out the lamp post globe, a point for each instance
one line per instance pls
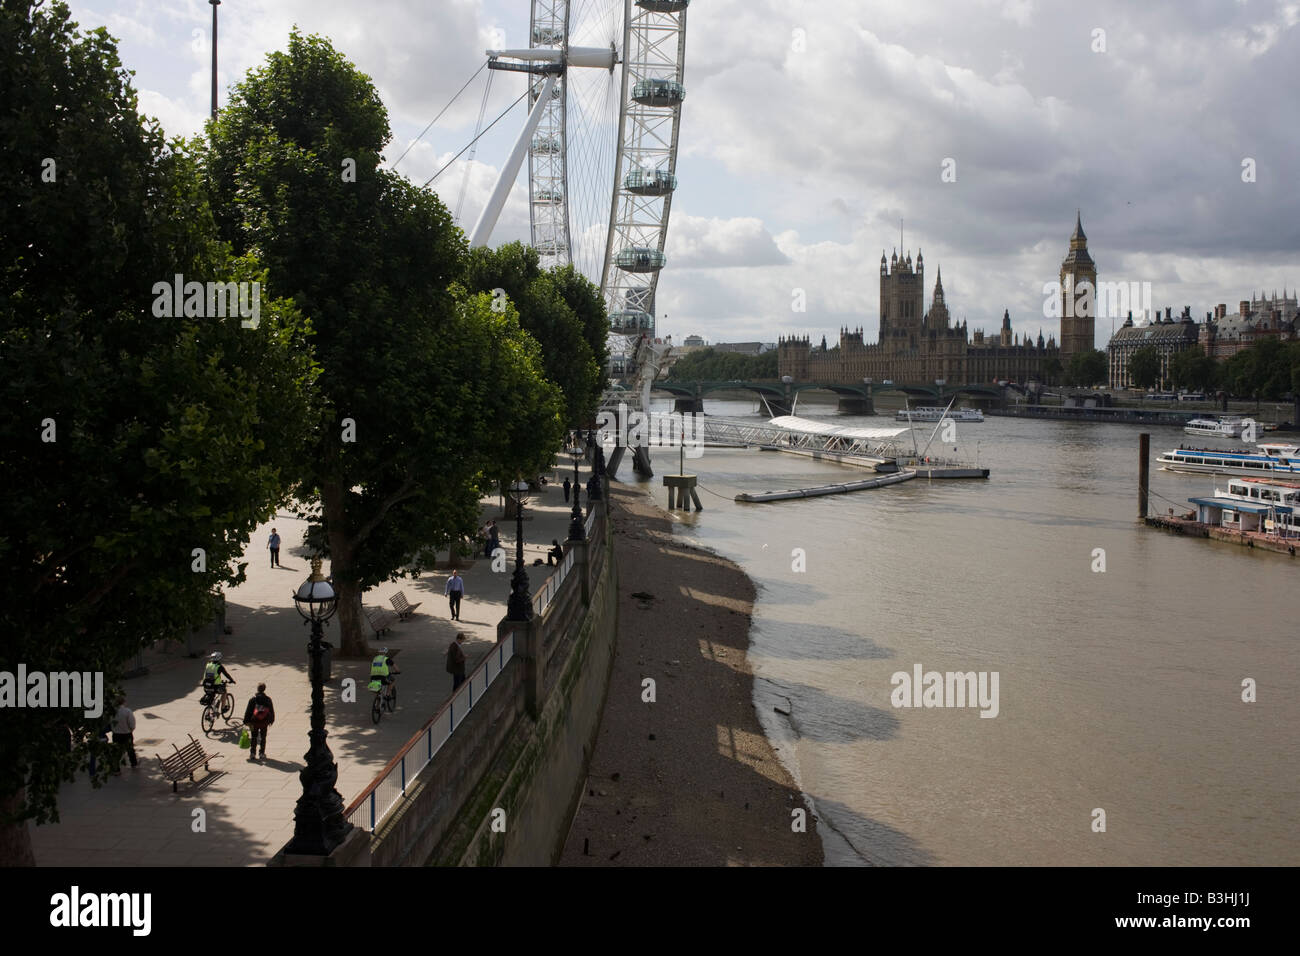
(318, 822)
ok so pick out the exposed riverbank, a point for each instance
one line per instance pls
(690, 779)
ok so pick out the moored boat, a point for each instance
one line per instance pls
(931, 413)
(1265, 505)
(1280, 459)
(1225, 426)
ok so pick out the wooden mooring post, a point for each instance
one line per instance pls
(1144, 473)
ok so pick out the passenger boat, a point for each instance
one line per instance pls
(1253, 504)
(1227, 426)
(1273, 458)
(933, 413)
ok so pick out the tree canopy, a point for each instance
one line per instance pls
(560, 309)
(1192, 369)
(1087, 368)
(1266, 369)
(710, 365)
(148, 443)
(1144, 367)
(429, 394)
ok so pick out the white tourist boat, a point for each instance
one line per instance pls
(933, 413)
(1226, 426)
(1253, 504)
(1280, 459)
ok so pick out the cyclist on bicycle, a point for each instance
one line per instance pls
(382, 669)
(214, 677)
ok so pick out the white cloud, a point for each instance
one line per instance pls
(696, 242)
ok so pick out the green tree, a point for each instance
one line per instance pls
(546, 313)
(710, 365)
(584, 298)
(1087, 368)
(1052, 371)
(1144, 367)
(146, 447)
(1192, 369)
(429, 394)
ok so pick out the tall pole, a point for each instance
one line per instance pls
(318, 822)
(576, 531)
(215, 4)
(520, 605)
(1144, 472)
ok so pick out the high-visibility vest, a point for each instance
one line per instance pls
(212, 672)
(379, 666)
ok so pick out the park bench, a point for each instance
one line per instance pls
(185, 761)
(404, 607)
(381, 621)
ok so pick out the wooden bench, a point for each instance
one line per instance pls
(185, 761)
(381, 621)
(404, 607)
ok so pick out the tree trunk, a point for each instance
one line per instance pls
(351, 619)
(352, 626)
(16, 838)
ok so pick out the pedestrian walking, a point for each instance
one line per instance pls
(456, 661)
(454, 590)
(273, 543)
(567, 485)
(124, 733)
(101, 735)
(258, 715)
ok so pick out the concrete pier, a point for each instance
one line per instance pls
(678, 487)
(856, 406)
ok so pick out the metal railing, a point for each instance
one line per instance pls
(546, 593)
(389, 787)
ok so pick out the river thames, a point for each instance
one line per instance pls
(1119, 692)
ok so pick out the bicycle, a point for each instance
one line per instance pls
(219, 702)
(383, 702)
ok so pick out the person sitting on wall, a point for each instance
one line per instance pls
(556, 554)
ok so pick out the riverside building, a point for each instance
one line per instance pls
(920, 346)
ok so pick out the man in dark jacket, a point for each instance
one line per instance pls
(456, 661)
(258, 715)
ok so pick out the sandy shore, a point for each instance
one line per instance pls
(688, 780)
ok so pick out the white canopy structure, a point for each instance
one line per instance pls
(809, 426)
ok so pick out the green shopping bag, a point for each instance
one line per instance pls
(244, 739)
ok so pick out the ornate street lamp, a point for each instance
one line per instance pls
(318, 822)
(597, 466)
(576, 531)
(520, 605)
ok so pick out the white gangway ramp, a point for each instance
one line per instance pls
(790, 431)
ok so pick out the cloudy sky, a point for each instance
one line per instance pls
(811, 127)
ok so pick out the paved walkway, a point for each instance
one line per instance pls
(247, 808)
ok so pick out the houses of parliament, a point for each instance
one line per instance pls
(917, 346)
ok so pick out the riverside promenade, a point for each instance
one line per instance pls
(247, 807)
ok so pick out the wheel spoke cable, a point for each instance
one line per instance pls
(440, 112)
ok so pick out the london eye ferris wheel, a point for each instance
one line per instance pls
(605, 94)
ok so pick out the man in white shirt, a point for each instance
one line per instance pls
(124, 731)
(454, 591)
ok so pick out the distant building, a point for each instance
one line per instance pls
(1078, 321)
(740, 348)
(1167, 336)
(917, 347)
(1223, 335)
(694, 340)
